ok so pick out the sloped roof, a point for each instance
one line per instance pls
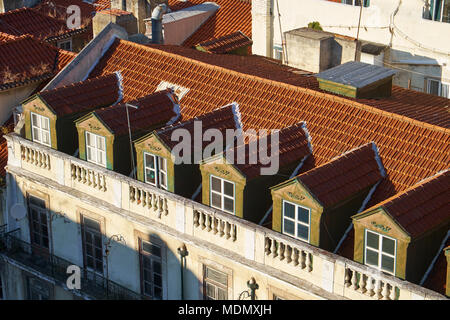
(220, 119)
(437, 279)
(25, 59)
(4, 37)
(153, 109)
(293, 146)
(29, 21)
(344, 176)
(421, 207)
(233, 15)
(226, 43)
(409, 128)
(84, 95)
(58, 9)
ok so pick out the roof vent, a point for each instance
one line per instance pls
(357, 80)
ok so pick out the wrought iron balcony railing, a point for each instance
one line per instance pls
(92, 284)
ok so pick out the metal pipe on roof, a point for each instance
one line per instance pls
(157, 14)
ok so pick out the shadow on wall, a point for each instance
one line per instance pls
(113, 263)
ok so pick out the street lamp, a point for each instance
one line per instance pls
(108, 244)
(253, 286)
(182, 251)
(129, 133)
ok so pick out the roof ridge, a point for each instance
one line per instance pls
(329, 96)
(75, 84)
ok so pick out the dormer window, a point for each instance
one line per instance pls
(296, 220)
(40, 128)
(155, 170)
(222, 194)
(96, 149)
(379, 251)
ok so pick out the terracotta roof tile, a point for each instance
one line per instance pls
(293, 146)
(33, 61)
(274, 97)
(4, 37)
(154, 109)
(344, 176)
(226, 43)
(423, 206)
(84, 96)
(29, 21)
(232, 16)
(58, 9)
(220, 119)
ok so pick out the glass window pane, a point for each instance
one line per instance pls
(157, 280)
(216, 184)
(156, 251)
(45, 123)
(146, 247)
(372, 240)
(100, 143)
(433, 87)
(158, 293)
(89, 154)
(157, 267)
(148, 289)
(162, 164)
(150, 176)
(289, 227)
(371, 257)
(228, 204)
(92, 224)
(162, 179)
(34, 121)
(388, 245)
(45, 138)
(289, 210)
(446, 11)
(229, 189)
(221, 294)
(303, 215)
(302, 232)
(36, 136)
(387, 263)
(216, 200)
(216, 276)
(88, 139)
(149, 161)
(210, 292)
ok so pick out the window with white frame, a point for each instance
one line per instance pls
(65, 44)
(296, 221)
(40, 129)
(437, 10)
(215, 284)
(151, 269)
(380, 251)
(438, 88)
(96, 149)
(278, 52)
(155, 170)
(222, 194)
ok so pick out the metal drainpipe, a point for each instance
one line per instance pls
(157, 15)
(182, 251)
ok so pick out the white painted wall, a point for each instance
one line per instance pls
(409, 35)
(11, 98)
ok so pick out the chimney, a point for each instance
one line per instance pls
(357, 80)
(157, 14)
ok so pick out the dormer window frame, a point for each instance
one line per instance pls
(296, 221)
(222, 194)
(160, 174)
(40, 129)
(96, 149)
(380, 251)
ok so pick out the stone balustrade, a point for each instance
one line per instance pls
(88, 177)
(374, 286)
(289, 253)
(36, 157)
(147, 199)
(216, 225)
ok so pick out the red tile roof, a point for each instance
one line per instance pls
(33, 61)
(220, 119)
(344, 176)
(226, 43)
(100, 5)
(4, 37)
(410, 148)
(232, 16)
(154, 109)
(293, 146)
(437, 279)
(422, 207)
(84, 96)
(29, 21)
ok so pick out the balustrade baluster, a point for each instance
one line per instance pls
(222, 228)
(296, 256)
(393, 293)
(370, 286)
(196, 217)
(281, 251)
(377, 289)
(288, 253)
(267, 246)
(166, 207)
(233, 232)
(215, 225)
(228, 230)
(385, 292)
(354, 280)
(274, 248)
(202, 220)
(362, 283)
